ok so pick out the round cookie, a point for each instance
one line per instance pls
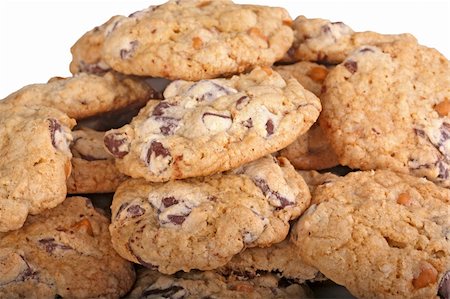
(87, 51)
(209, 284)
(93, 169)
(34, 163)
(330, 42)
(64, 252)
(388, 107)
(209, 126)
(85, 94)
(194, 40)
(201, 223)
(380, 234)
(283, 258)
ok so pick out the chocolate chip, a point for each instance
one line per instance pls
(325, 29)
(160, 108)
(158, 150)
(92, 68)
(170, 292)
(135, 211)
(121, 208)
(337, 23)
(117, 144)
(90, 158)
(351, 66)
(207, 90)
(50, 245)
(214, 114)
(169, 125)
(169, 201)
(128, 52)
(177, 219)
(241, 102)
(444, 171)
(248, 123)
(365, 50)
(269, 127)
(420, 133)
(264, 187)
(54, 127)
(444, 286)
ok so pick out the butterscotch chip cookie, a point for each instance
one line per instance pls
(191, 40)
(283, 258)
(385, 108)
(201, 223)
(379, 234)
(209, 284)
(330, 42)
(63, 252)
(85, 94)
(34, 161)
(209, 126)
(93, 169)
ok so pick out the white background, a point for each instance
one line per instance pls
(36, 36)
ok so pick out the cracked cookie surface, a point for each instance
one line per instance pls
(85, 94)
(194, 40)
(64, 252)
(34, 163)
(93, 169)
(388, 107)
(201, 223)
(380, 234)
(209, 126)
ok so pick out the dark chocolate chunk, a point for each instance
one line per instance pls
(117, 144)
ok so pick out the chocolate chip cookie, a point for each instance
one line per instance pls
(34, 161)
(283, 258)
(85, 94)
(209, 126)
(380, 234)
(330, 42)
(190, 40)
(201, 223)
(63, 252)
(388, 107)
(209, 284)
(93, 169)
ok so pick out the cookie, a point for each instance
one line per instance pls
(87, 51)
(330, 42)
(311, 150)
(209, 126)
(201, 223)
(34, 161)
(93, 169)
(379, 234)
(192, 40)
(388, 107)
(63, 252)
(85, 94)
(210, 284)
(314, 179)
(283, 258)
(309, 74)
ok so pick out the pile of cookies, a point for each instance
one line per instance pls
(248, 154)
